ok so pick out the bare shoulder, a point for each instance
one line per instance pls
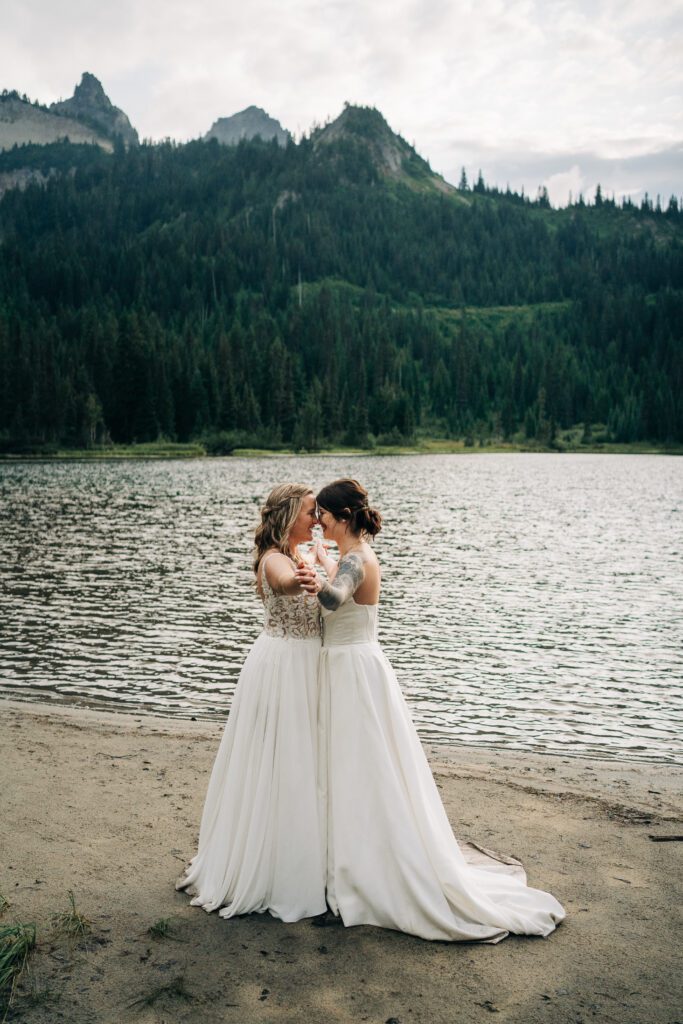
(369, 556)
(276, 561)
(360, 562)
(274, 564)
(373, 574)
(275, 556)
(352, 564)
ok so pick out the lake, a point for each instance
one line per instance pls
(532, 602)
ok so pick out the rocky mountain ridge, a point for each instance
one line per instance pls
(251, 123)
(89, 116)
(90, 105)
(22, 122)
(393, 157)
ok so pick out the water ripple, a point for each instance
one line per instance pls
(533, 602)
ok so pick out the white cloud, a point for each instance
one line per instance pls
(565, 186)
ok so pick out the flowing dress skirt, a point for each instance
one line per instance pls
(259, 845)
(392, 858)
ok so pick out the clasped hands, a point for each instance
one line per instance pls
(308, 579)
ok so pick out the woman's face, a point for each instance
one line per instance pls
(302, 529)
(332, 528)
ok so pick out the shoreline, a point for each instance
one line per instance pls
(196, 450)
(655, 787)
(436, 747)
(107, 804)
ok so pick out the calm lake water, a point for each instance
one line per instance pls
(532, 602)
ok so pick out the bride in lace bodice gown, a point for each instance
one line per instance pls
(391, 856)
(259, 840)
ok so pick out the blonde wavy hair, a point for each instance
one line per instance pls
(278, 516)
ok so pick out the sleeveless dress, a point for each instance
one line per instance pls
(259, 840)
(392, 858)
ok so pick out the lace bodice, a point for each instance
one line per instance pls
(285, 615)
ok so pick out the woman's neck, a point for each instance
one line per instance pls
(348, 542)
(291, 550)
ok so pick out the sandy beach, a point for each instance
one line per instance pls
(108, 806)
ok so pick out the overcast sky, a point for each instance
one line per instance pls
(564, 93)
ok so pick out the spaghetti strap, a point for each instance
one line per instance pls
(264, 579)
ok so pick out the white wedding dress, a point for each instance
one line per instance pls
(392, 858)
(259, 841)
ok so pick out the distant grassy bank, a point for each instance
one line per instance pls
(425, 446)
(149, 450)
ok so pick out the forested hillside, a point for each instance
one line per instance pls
(304, 295)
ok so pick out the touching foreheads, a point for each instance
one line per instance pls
(347, 500)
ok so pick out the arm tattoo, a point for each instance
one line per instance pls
(347, 581)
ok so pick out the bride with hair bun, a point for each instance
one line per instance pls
(391, 858)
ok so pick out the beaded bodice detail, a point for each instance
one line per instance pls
(295, 616)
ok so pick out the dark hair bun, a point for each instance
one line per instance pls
(347, 500)
(367, 520)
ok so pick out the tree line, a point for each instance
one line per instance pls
(267, 295)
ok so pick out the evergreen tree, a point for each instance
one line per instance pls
(145, 293)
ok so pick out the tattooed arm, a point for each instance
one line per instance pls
(350, 575)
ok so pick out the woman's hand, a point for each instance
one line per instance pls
(320, 551)
(308, 579)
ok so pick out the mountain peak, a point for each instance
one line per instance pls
(91, 105)
(90, 91)
(362, 121)
(250, 123)
(391, 155)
